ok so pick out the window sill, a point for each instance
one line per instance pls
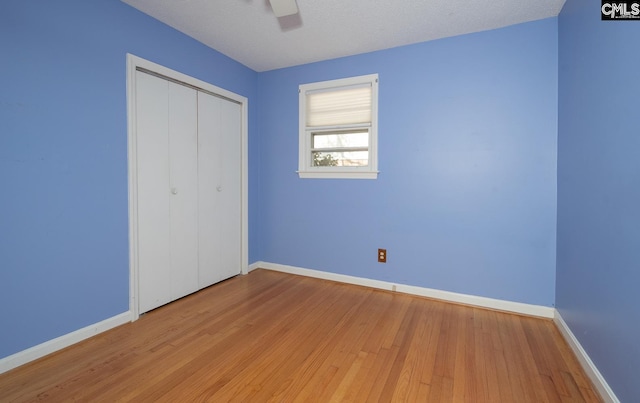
(337, 175)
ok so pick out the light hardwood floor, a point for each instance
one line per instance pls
(270, 336)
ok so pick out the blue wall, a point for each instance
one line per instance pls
(466, 197)
(598, 259)
(64, 259)
(465, 202)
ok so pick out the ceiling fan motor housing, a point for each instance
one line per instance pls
(282, 8)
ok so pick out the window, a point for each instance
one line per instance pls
(338, 128)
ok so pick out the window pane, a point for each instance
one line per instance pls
(340, 159)
(340, 140)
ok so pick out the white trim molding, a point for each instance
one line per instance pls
(606, 393)
(64, 341)
(483, 302)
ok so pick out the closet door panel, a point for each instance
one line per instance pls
(182, 189)
(219, 188)
(154, 268)
(229, 212)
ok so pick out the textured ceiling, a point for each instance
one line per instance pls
(247, 30)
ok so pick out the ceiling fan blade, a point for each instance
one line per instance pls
(282, 8)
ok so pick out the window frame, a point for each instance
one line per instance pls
(305, 167)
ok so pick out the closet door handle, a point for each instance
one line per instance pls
(174, 191)
(219, 188)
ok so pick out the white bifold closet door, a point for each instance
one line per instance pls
(188, 166)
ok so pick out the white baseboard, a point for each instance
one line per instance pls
(508, 306)
(253, 266)
(53, 345)
(589, 367)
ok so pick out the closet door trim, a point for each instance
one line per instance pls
(135, 63)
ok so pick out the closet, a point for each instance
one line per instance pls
(188, 156)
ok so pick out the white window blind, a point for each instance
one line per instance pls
(339, 107)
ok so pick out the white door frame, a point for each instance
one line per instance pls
(134, 63)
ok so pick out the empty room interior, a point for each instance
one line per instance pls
(345, 200)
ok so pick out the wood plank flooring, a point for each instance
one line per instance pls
(275, 337)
